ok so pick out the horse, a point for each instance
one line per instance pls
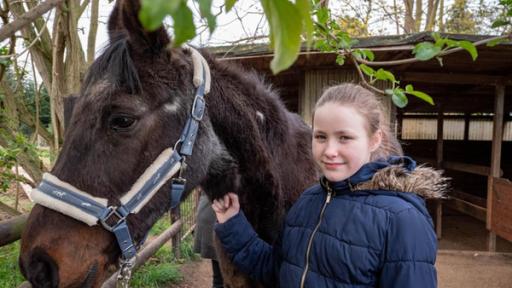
(133, 104)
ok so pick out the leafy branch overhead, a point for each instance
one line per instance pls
(291, 23)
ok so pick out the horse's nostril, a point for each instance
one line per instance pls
(42, 271)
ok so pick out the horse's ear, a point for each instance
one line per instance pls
(124, 19)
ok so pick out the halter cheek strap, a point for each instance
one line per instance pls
(63, 197)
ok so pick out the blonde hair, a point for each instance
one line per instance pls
(366, 103)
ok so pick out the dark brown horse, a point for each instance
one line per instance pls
(132, 105)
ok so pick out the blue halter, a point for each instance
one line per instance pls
(113, 218)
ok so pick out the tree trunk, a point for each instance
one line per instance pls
(57, 74)
(441, 16)
(93, 29)
(409, 20)
(75, 64)
(9, 106)
(397, 22)
(418, 15)
(430, 22)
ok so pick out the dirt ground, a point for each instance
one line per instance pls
(461, 262)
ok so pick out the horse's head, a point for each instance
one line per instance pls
(133, 104)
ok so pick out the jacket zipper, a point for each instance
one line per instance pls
(310, 242)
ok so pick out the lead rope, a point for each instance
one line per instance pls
(125, 272)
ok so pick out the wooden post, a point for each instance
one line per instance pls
(176, 239)
(439, 164)
(399, 123)
(467, 119)
(17, 201)
(497, 137)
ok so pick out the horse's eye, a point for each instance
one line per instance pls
(120, 123)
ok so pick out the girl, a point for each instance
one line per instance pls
(363, 225)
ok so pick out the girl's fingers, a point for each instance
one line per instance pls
(227, 201)
(217, 206)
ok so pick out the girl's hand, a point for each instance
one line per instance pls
(226, 207)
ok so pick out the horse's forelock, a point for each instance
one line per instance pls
(115, 65)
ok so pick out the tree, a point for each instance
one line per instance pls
(353, 26)
(461, 20)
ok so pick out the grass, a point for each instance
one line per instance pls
(159, 271)
(10, 275)
(163, 268)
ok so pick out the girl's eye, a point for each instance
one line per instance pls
(320, 137)
(344, 138)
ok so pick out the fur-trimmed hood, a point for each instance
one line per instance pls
(394, 174)
(425, 181)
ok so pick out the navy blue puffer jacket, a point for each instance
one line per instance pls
(371, 230)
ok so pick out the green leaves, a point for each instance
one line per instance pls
(423, 96)
(307, 23)
(468, 46)
(184, 28)
(229, 4)
(425, 51)
(340, 59)
(500, 22)
(205, 7)
(153, 12)
(367, 70)
(385, 75)
(398, 97)
(496, 42)
(285, 28)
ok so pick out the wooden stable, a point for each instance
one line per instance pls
(468, 132)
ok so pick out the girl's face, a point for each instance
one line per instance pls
(341, 144)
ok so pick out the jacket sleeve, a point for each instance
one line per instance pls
(410, 253)
(247, 251)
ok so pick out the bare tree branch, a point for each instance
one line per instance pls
(446, 52)
(27, 18)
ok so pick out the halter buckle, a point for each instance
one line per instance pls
(112, 216)
(198, 108)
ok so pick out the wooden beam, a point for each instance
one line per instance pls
(497, 138)
(469, 168)
(479, 201)
(455, 78)
(467, 208)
